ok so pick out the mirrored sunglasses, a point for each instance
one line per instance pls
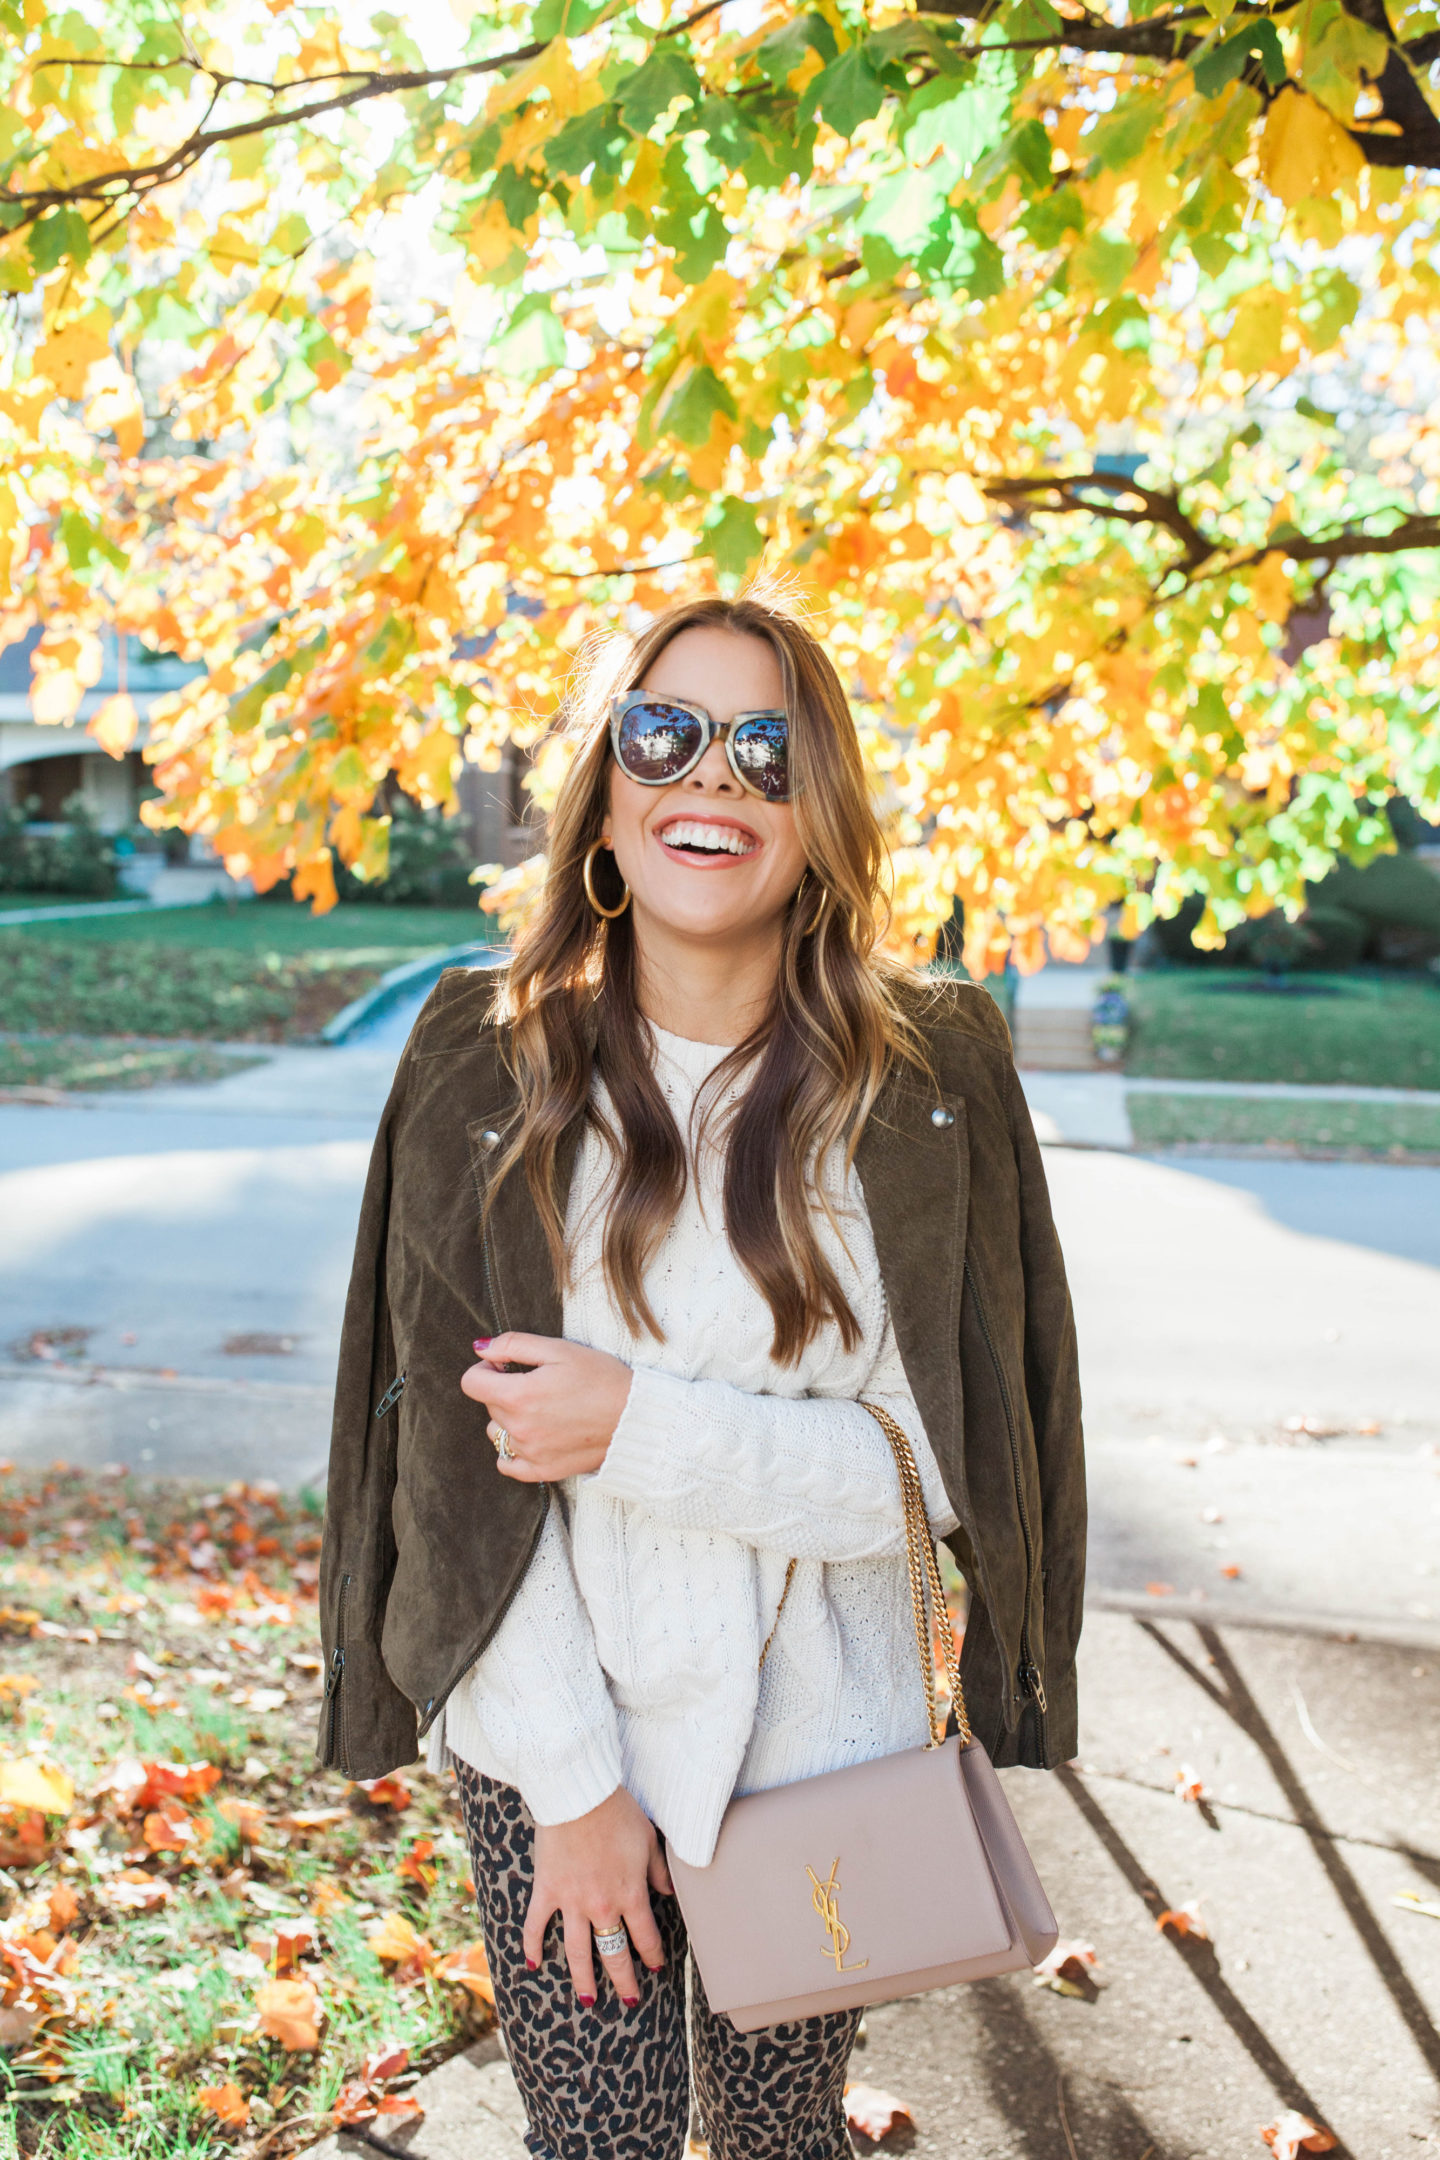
(658, 740)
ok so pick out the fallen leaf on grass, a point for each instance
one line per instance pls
(314, 1818)
(395, 1941)
(1295, 2133)
(132, 1890)
(31, 1782)
(14, 1687)
(470, 1969)
(64, 1908)
(391, 1792)
(247, 1818)
(364, 2098)
(328, 1896)
(1412, 1901)
(1068, 1969)
(418, 1865)
(872, 2112)
(169, 1829)
(226, 2103)
(1184, 1920)
(290, 2013)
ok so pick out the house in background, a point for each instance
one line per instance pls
(48, 765)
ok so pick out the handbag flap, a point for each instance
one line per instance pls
(878, 1869)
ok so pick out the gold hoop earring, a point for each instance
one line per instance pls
(587, 878)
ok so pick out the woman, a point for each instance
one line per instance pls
(709, 1176)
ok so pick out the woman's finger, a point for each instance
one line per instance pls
(523, 1472)
(518, 1349)
(496, 1389)
(578, 1956)
(659, 1872)
(644, 1934)
(537, 1922)
(620, 1969)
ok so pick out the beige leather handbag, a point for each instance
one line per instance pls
(883, 1880)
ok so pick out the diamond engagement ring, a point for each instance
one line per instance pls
(611, 1942)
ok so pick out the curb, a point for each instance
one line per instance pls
(1398, 1634)
(337, 1030)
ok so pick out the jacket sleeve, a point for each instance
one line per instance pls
(1052, 1387)
(358, 1550)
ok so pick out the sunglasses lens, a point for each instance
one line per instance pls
(762, 752)
(657, 741)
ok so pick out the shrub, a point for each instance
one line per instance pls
(78, 861)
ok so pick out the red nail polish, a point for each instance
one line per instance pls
(631, 2002)
(587, 2002)
(481, 1342)
(531, 1966)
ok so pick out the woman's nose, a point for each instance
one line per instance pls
(712, 776)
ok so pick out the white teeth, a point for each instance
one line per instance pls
(715, 839)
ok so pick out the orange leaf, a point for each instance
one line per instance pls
(64, 1908)
(469, 1968)
(1294, 2133)
(418, 1864)
(1184, 1920)
(1159, 1589)
(116, 724)
(387, 2061)
(395, 1941)
(290, 2013)
(168, 1830)
(1231, 1571)
(1189, 1785)
(226, 2103)
(391, 1792)
(1067, 1969)
(872, 2112)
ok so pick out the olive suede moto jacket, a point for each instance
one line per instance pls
(425, 1545)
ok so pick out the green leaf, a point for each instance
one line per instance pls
(846, 93)
(533, 343)
(699, 236)
(904, 210)
(653, 89)
(1330, 302)
(972, 260)
(246, 709)
(727, 136)
(1216, 69)
(781, 54)
(1309, 411)
(564, 18)
(734, 536)
(689, 412)
(518, 193)
(61, 235)
(963, 123)
(590, 138)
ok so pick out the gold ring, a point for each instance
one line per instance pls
(502, 1444)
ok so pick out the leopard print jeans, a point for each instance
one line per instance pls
(614, 2084)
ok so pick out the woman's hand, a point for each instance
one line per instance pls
(597, 1873)
(560, 1415)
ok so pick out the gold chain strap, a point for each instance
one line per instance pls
(926, 1588)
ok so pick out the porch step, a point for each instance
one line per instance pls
(1053, 1039)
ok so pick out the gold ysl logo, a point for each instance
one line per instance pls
(825, 1897)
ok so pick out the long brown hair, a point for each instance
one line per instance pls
(820, 1054)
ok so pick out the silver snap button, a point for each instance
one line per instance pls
(942, 1117)
(490, 1137)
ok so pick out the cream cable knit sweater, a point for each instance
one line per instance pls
(630, 1654)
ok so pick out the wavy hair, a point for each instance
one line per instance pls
(820, 1054)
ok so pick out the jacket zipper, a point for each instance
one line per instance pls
(337, 1671)
(391, 1396)
(1030, 1677)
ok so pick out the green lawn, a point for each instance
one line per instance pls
(380, 937)
(1230, 1120)
(98, 1062)
(1195, 1024)
(244, 973)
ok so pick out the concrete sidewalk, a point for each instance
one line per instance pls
(1315, 1990)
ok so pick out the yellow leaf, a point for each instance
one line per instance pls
(33, 1783)
(62, 670)
(490, 240)
(67, 355)
(114, 725)
(1270, 589)
(1254, 343)
(470, 1969)
(1303, 151)
(396, 1941)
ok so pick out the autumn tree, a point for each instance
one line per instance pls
(1074, 365)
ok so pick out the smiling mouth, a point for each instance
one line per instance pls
(695, 836)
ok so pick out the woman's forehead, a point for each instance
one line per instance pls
(726, 671)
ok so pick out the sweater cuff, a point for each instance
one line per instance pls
(560, 1789)
(638, 1460)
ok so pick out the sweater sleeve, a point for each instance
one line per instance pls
(812, 1477)
(534, 1711)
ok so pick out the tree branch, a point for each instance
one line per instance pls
(1157, 508)
(104, 189)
